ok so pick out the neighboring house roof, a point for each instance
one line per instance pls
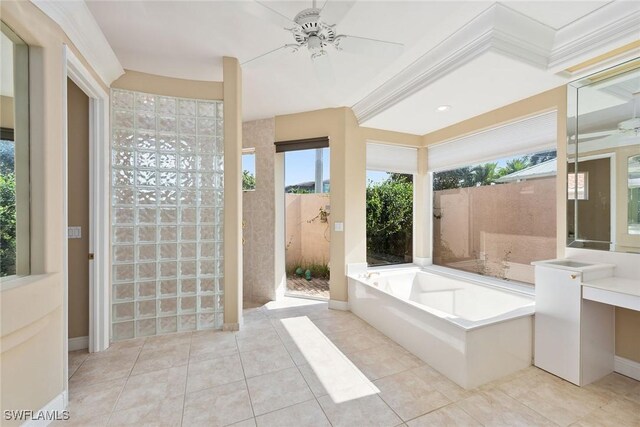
(308, 184)
(541, 170)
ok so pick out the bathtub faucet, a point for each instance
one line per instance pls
(371, 274)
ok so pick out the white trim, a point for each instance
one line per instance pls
(334, 304)
(230, 327)
(79, 24)
(78, 343)
(422, 262)
(58, 404)
(626, 367)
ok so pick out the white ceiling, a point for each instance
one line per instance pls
(188, 39)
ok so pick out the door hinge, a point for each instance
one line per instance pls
(91, 256)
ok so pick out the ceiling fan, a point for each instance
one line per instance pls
(626, 128)
(314, 29)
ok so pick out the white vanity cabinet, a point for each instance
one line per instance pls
(574, 337)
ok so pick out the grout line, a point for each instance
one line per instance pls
(186, 380)
(246, 384)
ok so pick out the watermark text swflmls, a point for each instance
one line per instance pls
(27, 414)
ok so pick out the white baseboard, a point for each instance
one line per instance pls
(78, 343)
(52, 411)
(627, 367)
(338, 305)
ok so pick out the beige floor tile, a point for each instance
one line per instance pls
(100, 368)
(277, 390)
(76, 358)
(94, 399)
(449, 416)
(164, 412)
(153, 387)
(411, 393)
(251, 422)
(384, 360)
(134, 343)
(366, 411)
(614, 386)
(264, 361)
(86, 420)
(335, 325)
(218, 406)
(495, 408)
(257, 339)
(206, 345)
(358, 340)
(214, 372)
(156, 359)
(168, 340)
(619, 413)
(308, 414)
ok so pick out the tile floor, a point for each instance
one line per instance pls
(298, 363)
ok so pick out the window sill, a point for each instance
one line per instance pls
(12, 282)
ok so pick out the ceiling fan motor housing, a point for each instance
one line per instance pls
(312, 32)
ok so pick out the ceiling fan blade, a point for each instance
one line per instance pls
(324, 70)
(592, 135)
(259, 58)
(332, 11)
(265, 12)
(367, 46)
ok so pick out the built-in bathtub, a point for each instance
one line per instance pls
(471, 332)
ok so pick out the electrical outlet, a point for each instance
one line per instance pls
(339, 226)
(74, 233)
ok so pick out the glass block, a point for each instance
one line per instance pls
(207, 249)
(188, 162)
(219, 127)
(187, 304)
(124, 196)
(168, 179)
(218, 301)
(187, 322)
(123, 291)
(123, 253)
(122, 311)
(206, 267)
(146, 178)
(219, 320)
(167, 124)
(168, 269)
(168, 287)
(147, 215)
(188, 215)
(206, 302)
(218, 251)
(188, 232)
(123, 119)
(123, 215)
(187, 143)
(168, 251)
(145, 327)
(123, 331)
(188, 197)
(145, 309)
(206, 180)
(146, 252)
(206, 109)
(166, 105)
(168, 215)
(146, 271)
(146, 159)
(219, 262)
(168, 233)
(219, 215)
(188, 268)
(207, 215)
(206, 285)
(167, 161)
(219, 199)
(206, 126)
(188, 250)
(146, 290)
(123, 138)
(146, 140)
(145, 120)
(123, 234)
(146, 197)
(206, 320)
(206, 232)
(187, 124)
(220, 284)
(146, 102)
(219, 110)
(167, 306)
(147, 233)
(207, 197)
(186, 107)
(207, 162)
(188, 286)
(219, 166)
(122, 99)
(168, 197)
(168, 324)
(188, 179)
(123, 177)
(122, 158)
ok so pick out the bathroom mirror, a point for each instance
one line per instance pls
(603, 154)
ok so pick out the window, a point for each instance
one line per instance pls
(389, 218)
(248, 169)
(14, 156)
(495, 218)
(582, 185)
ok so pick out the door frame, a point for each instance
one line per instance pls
(99, 206)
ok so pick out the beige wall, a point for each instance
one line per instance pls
(259, 265)
(6, 108)
(31, 337)
(78, 185)
(307, 238)
(169, 86)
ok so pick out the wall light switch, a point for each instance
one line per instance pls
(339, 226)
(74, 233)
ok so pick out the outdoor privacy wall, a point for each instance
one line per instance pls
(167, 213)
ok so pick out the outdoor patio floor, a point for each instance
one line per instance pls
(297, 363)
(317, 288)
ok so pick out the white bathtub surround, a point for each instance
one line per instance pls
(470, 332)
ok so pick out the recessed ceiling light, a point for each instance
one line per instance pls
(444, 108)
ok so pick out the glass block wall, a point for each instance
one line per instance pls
(167, 213)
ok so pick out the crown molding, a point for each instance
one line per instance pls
(83, 30)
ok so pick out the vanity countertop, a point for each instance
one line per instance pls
(616, 284)
(613, 290)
